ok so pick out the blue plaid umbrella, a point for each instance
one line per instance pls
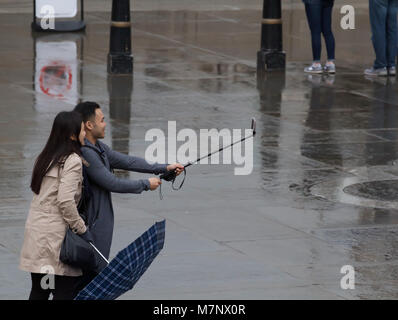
(127, 267)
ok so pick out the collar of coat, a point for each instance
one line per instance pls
(97, 146)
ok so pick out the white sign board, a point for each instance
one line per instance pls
(56, 75)
(61, 8)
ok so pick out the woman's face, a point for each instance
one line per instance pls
(82, 134)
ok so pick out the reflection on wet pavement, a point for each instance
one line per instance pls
(322, 192)
(385, 190)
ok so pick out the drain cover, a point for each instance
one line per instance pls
(385, 190)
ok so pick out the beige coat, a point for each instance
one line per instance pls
(50, 214)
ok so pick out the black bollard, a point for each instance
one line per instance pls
(120, 59)
(271, 55)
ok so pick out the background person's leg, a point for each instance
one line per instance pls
(37, 292)
(314, 21)
(378, 17)
(327, 32)
(392, 30)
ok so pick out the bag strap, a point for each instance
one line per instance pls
(60, 166)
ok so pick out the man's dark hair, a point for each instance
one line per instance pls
(87, 109)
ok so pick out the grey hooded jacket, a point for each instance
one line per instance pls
(102, 160)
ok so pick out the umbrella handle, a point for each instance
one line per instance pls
(102, 256)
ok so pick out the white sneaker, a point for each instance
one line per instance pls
(376, 72)
(330, 68)
(314, 68)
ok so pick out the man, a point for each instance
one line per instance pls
(383, 20)
(102, 181)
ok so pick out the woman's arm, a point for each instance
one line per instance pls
(68, 187)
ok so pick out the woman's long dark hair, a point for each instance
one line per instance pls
(58, 147)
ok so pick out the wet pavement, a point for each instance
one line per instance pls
(323, 190)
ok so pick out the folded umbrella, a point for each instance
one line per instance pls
(127, 267)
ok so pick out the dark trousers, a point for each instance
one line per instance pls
(65, 288)
(85, 279)
(319, 18)
(383, 20)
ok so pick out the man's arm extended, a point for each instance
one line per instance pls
(119, 160)
(107, 180)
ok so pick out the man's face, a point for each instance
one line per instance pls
(97, 125)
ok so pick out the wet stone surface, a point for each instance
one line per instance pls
(323, 190)
(378, 190)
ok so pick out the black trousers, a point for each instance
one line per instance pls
(85, 279)
(65, 287)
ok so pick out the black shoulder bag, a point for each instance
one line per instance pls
(76, 251)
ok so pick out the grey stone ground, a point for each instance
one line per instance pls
(282, 232)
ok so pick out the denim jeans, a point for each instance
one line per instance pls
(383, 21)
(319, 18)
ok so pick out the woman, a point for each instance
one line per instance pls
(319, 16)
(56, 183)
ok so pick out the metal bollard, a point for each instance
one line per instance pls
(120, 59)
(271, 55)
